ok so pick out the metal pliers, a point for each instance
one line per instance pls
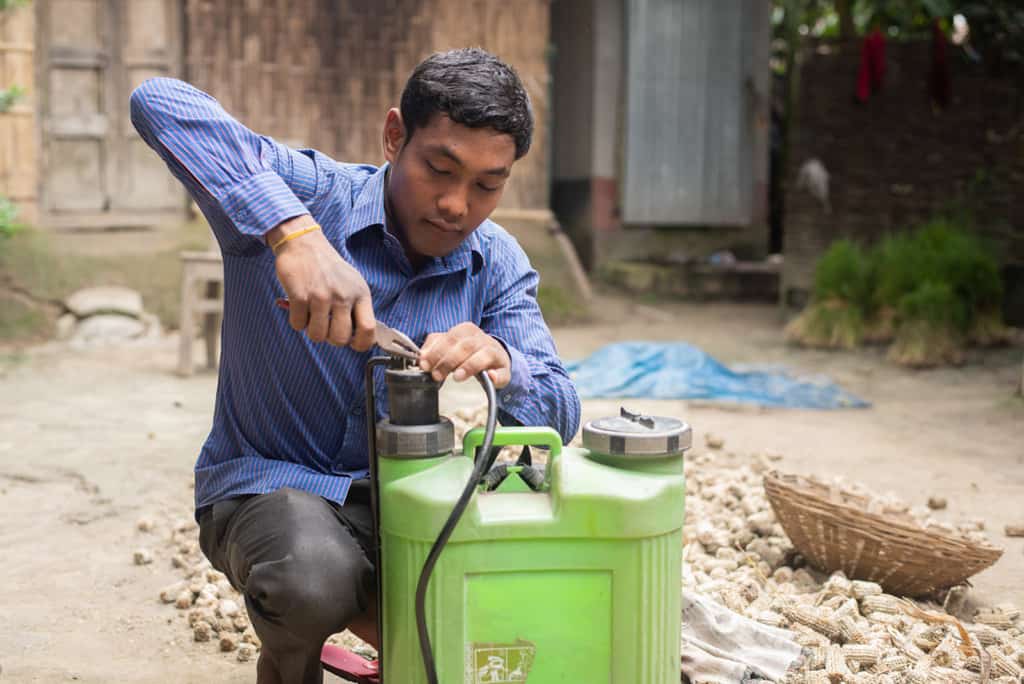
(391, 341)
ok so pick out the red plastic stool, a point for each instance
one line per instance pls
(351, 666)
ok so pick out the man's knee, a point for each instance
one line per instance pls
(290, 501)
(321, 581)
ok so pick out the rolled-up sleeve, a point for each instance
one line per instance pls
(245, 184)
(540, 392)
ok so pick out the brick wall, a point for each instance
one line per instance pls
(894, 160)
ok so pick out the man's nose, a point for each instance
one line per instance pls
(453, 205)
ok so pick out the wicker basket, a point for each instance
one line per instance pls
(834, 530)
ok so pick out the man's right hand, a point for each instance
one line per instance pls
(329, 299)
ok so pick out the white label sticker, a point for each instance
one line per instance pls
(499, 663)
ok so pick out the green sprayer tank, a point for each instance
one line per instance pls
(577, 581)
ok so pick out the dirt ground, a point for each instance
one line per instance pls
(92, 441)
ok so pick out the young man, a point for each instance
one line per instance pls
(281, 494)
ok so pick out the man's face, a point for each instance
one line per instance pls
(444, 181)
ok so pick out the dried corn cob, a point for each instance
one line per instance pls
(850, 632)
(838, 584)
(986, 635)
(881, 603)
(884, 618)
(1002, 664)
(905, 645)
(815, 658)
(949, 675)
(864, 655)
(809, 617)
(861, 589)
(848, 608)
(996, 619)
(930, 637)
(947, 653)
(1011, 611)
(733, 600)
(893, 662)
(835, 664)
(807, 637)
(920, 674)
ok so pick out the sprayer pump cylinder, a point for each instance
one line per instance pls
(412, 397)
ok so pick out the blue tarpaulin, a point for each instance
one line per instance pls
(658, 370)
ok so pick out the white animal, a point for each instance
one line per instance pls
(813, 177)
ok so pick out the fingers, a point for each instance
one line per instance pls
(442, 353)
(298, 314)
(365, 324)
(330, 299)
(463, 352)
(341, 325)
(319, 318)
(483, 359)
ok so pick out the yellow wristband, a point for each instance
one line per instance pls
(292, 236)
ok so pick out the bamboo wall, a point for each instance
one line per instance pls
(323, 73)
(19, 170)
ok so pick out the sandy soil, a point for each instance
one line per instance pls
(91, 442)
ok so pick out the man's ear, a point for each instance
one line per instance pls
(394, 135)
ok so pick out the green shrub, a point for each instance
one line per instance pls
(8, 214)
(10, 96)
(932, 323)
(845, 273)
(941, 252)
(936, 304)
(930, 291)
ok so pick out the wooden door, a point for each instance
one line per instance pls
(18, 157)
(97, 171)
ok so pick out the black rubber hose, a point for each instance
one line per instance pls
(480, 468)
(533, 477)
(494, 477)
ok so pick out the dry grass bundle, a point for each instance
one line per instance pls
(987, 329)
(881, 327)
(930, 292)
(831, 324)
(919, 344)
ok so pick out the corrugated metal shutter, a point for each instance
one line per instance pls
(690, 110)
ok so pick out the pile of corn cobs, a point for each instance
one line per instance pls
(737, 553)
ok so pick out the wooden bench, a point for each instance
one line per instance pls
(202, 283)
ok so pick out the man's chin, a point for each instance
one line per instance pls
(438, 249)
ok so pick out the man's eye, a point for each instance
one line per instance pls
(438, 171)
(487, 189)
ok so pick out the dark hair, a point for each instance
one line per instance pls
(471, 87)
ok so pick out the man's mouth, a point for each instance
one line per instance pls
(443, 226)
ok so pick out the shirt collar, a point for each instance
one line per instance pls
(368, 212)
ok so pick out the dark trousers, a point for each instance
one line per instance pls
(303, 565)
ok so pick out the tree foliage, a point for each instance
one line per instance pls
(997, 26)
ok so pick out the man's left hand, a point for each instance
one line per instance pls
(464, 351)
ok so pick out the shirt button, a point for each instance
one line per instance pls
(357, 410)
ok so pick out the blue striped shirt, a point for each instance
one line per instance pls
(289, 412)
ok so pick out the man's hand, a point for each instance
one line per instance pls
(328, 297)
(464, 351)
